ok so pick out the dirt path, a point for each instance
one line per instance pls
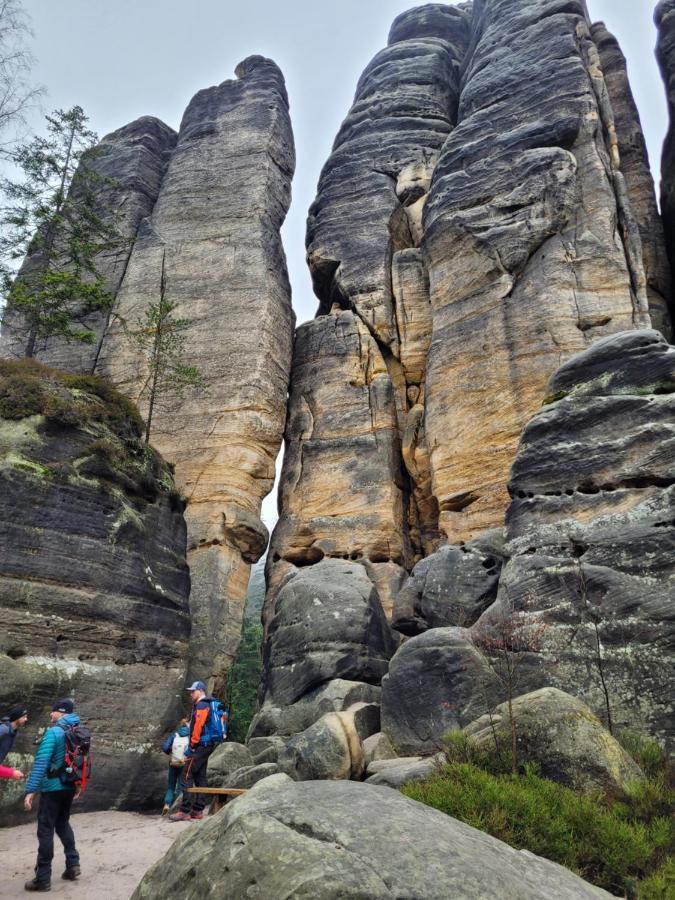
(116, 849)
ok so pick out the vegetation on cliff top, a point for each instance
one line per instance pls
(115, 452)
(622, 844)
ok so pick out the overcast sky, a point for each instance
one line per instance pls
(121, 59)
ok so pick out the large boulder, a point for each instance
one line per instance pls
(451, 587)
(93, 579)
(330, 840)
(394, 773)
(437, 681)
(333, 696)
(332, 748)
(562, 737)
(226, 759)
(328, 624)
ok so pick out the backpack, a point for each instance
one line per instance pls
(76, 766)
(215, 729)
(178, 748)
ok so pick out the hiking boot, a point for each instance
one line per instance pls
(197, 815)
(179, 816)
(71, 874)
(166, 809)
(34, 885)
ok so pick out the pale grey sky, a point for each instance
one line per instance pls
(121, 59)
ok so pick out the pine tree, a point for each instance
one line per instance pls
(54, 217)
(162, 339)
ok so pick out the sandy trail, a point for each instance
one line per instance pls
(116, 849)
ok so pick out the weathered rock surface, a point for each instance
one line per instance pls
(331, 748)
(377, 747)
(328, 624)
(634, 160)
(93, 579)
(342, 839)
(213, 238)
(521, 244)
(664, 16)
(333, 696)
(437, 681)
(265, 749)
(396, 773)
(486, 213)
(225, 760)
(560, 735)
(341, 491)
(592, 533)
(131, 163)
(451, 587)
(247, 776)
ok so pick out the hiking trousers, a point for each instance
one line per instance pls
(54, 816)
(194, 775)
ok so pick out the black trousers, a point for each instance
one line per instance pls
(194, 775)
(54, 816)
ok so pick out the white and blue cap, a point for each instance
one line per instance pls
(197, 686)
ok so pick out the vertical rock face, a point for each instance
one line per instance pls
(527, 242)
(132, 160)
(93, 579)
(664, 16)
(214, 239)
(486, 213)
(639, 182)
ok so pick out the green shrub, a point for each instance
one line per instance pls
(20, 397)
(648, 754)
(612, 844)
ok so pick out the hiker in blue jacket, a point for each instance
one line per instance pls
(55, 799)
(175, 746)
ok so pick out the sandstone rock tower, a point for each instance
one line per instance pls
(202, 211)
(486, 214)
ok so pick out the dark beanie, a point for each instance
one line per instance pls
(18, 713)
(64, 706)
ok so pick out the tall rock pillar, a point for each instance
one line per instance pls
(214, 239)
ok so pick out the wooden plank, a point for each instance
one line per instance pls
(223, 792)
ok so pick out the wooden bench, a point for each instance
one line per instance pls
(220, 795)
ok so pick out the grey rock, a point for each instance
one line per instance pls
(664, 16)
(226, 759)
(333, 746)
(247, 776)
(437, 681)
(561, 736)
(131, 163)
(377, 747)
(451, 587)
(329, 840)
(634, 159)
(214, 233)
(328, 624)
(592, 534)
(334, 696)
(395, 776)
(536, 269)
(265, 749)
(93, 581)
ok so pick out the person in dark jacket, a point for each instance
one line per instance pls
(197, 755)
(9, 725)
(172, 746)
(55, 799)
